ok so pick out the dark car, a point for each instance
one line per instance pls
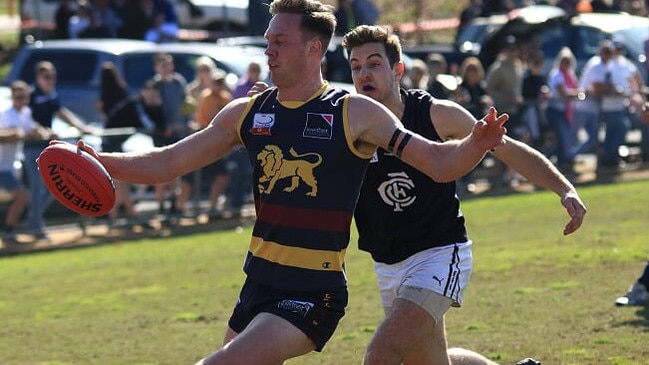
(549, 28)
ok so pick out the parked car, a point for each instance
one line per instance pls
(78, 64)
(548, 27)
(552, 28)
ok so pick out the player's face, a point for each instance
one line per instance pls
(371, 72)
(286, 50)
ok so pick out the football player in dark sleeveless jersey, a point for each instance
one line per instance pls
(413, 226)
(308, 162)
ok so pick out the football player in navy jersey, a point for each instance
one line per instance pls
(309, 144)
(413, 226)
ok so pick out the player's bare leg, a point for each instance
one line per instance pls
(408, 335)
(268, 340)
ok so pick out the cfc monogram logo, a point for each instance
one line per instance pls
(396, 192)
(276, 167)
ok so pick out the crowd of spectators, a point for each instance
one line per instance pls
(565, 114)
(560, 114)
(153, 20)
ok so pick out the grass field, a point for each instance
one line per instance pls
(166, 301)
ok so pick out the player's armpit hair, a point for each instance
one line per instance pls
(393, 140)
(403, 143)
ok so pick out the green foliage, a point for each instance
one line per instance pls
(534, 292)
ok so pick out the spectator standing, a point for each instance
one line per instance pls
(473, 94)
(16, 125)
(564, 88)
(62, 17)
(258, 10)
(535, 95)
(636, 98)
(137, 16)
(416, 76)
(171, 85)
(253, 74)
(474, 9)
(211, 101)
(205, 66)
(45, 103)
(108, 20)
(437, 73)
(152, 106)
(82, 23)
(504, 83)
(120, 110)
(614, 86)
(164, 21)
(588, 103)
(351, 13)
(238, 163)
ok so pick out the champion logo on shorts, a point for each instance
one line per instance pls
(261, 124)
(295, 306)
(318, 126)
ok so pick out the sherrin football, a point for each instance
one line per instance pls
(76, 179)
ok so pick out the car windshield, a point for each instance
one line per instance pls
(138, 67)
(72, 68)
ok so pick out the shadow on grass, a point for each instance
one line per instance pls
(642, 320)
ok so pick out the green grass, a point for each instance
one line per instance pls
(533, 292)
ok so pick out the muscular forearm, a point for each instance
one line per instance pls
(533, 166)
(139, 167)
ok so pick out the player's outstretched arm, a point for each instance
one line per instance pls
(163, 164)
(536, 168)
(373, 125)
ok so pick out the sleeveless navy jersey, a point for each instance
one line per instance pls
(401, 211)
(306, 180)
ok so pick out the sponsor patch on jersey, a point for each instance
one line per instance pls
(261, 124)
(318, 126)
(295, 306)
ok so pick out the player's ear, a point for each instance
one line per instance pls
(315, 45)
(399, 70)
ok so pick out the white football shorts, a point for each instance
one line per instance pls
(434, 279)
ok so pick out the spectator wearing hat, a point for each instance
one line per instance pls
(211, 101)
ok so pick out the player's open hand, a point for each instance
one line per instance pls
(576, 210)
(488, 133)
(86, 147)
(257, 88)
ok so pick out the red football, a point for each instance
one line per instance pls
(76, 179)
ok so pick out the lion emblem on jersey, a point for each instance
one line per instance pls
(276, 168)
